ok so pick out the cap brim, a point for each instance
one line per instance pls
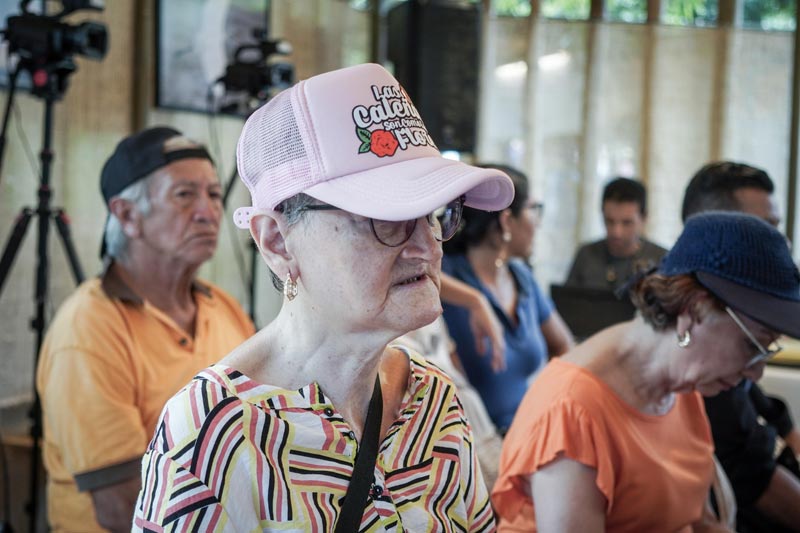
(413, 188)
(778, 314)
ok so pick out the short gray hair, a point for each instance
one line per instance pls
(114, 236)
(292, 209)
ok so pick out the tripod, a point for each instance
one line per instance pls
(251, 281)
(258, 80)
(49, 83)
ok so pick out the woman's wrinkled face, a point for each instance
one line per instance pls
(358, 283)
(720, 352)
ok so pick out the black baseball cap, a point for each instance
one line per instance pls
(140, 154)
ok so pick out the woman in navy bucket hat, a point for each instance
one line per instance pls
(616, 427)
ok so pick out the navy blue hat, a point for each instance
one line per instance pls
(137, 155)
(744, 262)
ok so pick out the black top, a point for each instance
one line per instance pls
(745, 447)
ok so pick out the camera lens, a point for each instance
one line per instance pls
(89, 39)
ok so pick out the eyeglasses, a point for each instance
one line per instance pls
(763, 354)
(444, 222)
(537, 208)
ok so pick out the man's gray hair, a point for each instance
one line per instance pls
(114, 236)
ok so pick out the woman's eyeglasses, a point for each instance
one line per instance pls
(763, 354)
(537, 208)
(444, 222)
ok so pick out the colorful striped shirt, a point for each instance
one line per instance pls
(230, 454)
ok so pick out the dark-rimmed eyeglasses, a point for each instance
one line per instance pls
(443, 221)
(764, 354)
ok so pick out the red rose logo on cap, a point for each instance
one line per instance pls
(398, 121)
(380, 142)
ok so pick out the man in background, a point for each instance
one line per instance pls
(608, 263)
(761, 467)
(126, 341)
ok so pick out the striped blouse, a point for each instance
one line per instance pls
(230, 454)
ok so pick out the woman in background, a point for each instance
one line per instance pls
(614, 435)
(490, 253)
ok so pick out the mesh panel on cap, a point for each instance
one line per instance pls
(272, 158)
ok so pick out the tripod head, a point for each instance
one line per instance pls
(45, 44)
(253, 75)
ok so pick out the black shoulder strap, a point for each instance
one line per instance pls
(355, 500)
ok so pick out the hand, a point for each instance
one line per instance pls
(793, 441)
(484, 324)
(482, 320)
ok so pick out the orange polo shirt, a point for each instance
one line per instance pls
(109, 363)
(654, 471)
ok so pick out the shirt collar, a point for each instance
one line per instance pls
(311, 396)
(523, 278)
(114, 286)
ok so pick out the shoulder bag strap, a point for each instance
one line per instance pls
(355, 500)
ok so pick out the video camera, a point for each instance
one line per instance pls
(45, 43)
(251, 73)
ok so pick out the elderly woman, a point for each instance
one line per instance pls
(314, 423)
(490, 254)
(613, 436)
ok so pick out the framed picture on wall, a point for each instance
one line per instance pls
(195, 41)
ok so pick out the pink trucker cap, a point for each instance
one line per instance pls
(352, 138)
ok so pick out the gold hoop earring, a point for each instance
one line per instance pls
(289, 287)
(684, 340)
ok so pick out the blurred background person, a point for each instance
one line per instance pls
(609, 262)
(490, 253)
(613, 435)
(755, 439)
(127, 340)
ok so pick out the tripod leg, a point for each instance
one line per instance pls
(251, 287)
(254, 260)
(13, 243)
(62, 225)
(229, 187)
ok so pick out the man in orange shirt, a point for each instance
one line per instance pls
(126, 341)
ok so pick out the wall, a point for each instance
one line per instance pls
(106, 101)
(576, 103)
(94, 114)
